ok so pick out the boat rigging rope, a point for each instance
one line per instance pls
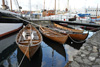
(23, 57)
(25, 20)
(28, 21)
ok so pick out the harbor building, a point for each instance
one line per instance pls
(94, 12)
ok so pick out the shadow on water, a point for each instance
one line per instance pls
(8, 51)
(7, 47)
(74, 44)
(36, 60)
(9, 35)
(54, 54)
(56, 46)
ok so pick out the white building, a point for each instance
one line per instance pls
(94, 12)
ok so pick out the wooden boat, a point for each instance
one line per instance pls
(53, 35)
(63, 24)
(69, 29)
(90, 28)
(75, 34)
(28, 40)
(79, 36)
(7, 16)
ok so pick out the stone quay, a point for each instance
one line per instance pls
(89, 53)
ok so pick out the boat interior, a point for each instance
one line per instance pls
(69, 29)
(29, 36)
(49, 32)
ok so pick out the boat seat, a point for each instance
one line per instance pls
(27, 40)
(24, 42)
(35, 41)
(36, 38)
(34, 32)
(46, 32)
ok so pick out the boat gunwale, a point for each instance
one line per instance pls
(12, 31)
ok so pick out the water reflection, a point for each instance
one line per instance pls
(55, 46)
(36, 60)
(54, 54)
(7, 48)
(75, 45)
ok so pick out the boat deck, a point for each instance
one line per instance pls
(7, 27)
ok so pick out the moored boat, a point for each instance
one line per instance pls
(90, 28)
(28, 40)
(69, 29)
(79, 36)
(53, 35)
(8, 28)
(73, 34)
(7, 16)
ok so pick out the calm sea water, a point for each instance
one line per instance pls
(49, 54)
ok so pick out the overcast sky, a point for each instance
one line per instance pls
(49, 4)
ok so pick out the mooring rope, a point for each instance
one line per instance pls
(76, 41)
(23, 57)
(25, 20)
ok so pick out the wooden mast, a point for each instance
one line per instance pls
(58, 5)
(68, 4)
(44, 4)
(97, 11)
(30, 8)
(3, 5)
(55, 6)
(11, 4)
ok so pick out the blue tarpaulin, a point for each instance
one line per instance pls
(83, 15)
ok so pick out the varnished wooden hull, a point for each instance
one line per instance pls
(60, 39)
(73, 30)
(29, 51)
(79, 36)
